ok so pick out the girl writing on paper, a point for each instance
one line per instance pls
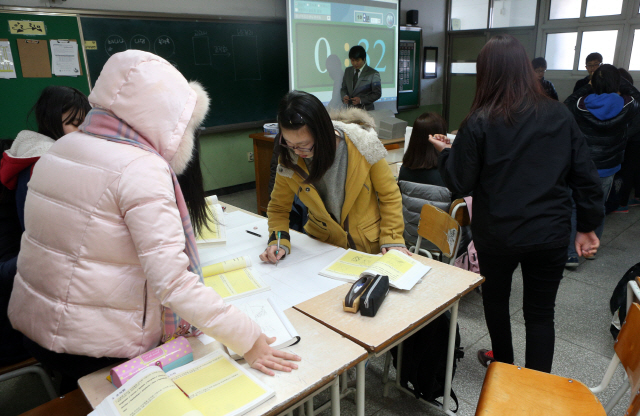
(520, 152)
(58, 111)
(337, 169)
(108, 262)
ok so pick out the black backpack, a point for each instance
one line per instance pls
(618, 301)
(424, 360)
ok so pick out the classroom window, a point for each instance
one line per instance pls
(469, 14)
(513, 13)
(603, 41)
(463, 67)
(634, 64)
(565, 9)
(603, 7)
(561, 50)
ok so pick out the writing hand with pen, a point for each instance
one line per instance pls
(273, 253)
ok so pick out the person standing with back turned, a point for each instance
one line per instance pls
(361, 84)
(520, 152)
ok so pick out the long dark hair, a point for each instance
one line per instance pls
(606, 79)
(626, 75)
(298, 109)
(54, 101)
(192, 187)
(421, 154)
(505, 82)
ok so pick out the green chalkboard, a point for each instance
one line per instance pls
(409, 67)
(243, 66)
(20, 94)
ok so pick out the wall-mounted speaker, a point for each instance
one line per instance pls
(412, 17)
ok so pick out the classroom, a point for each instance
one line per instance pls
(264, 208)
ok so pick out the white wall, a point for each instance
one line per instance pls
(432, 19)
(225, 8)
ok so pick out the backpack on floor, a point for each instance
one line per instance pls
(424, 360)
(618, 301)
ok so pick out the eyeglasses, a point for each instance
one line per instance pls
(283, 142)
(593, 65)
(539, 71)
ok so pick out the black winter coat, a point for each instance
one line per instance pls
(520, 176)
(549, 89)
(606, 138)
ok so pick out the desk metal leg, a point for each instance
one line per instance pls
(309, 405)
(385, 374)
(450, 353)
(360, 388)
(335, 399)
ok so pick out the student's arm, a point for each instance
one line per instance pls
(553, 92)
(584, 181)
(147, 202)
(572, 101)
(460, 165)
(376, 90)
(627, 88)
(278, 218)
(390, 201)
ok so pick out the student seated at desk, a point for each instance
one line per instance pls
(337, 169)
(109, 252)
(420, 161)
(58, 111)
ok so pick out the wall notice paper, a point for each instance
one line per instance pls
(272, 321)
(27, 27)
(213, 385)
(7, 67)
(403, 271)
(233, 279)
(217, 231)
(64, 58)
(34, 58)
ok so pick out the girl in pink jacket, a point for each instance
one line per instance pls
(108, 265)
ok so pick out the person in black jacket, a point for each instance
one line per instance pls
(630, 170)
(540, 67)
(592, 62)
(603, 109)
(520, 152)
(420, 161)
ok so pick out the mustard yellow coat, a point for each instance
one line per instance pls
(372, 209)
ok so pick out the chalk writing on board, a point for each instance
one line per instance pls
(201, 52)
(140, 42)
(244, 32)
(115, 44)
(220, 51)
(245, 57)
(164, 46)
(200, 32)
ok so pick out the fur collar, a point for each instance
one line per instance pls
(184, 153)
(30, 144)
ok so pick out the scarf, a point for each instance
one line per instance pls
(105, 125)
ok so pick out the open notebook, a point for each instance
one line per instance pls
(233, 279)
(216, 232)
(213, 385)
(403, 271)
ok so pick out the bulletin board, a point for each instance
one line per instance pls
(30, 34)
(409, 57)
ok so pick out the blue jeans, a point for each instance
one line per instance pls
(606, 184)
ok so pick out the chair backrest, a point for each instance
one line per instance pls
(627, 347)
(634, 407)
(438, 227)
(459, 212)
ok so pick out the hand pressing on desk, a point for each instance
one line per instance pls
(262, 357)
(399, 248)
(269, 255)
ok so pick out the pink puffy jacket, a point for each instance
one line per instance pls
(104, 244)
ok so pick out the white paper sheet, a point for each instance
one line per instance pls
(64, 58)
(7, 66)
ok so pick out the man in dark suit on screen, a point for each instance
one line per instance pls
(361, 83)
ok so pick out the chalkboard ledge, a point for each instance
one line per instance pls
(237, 126)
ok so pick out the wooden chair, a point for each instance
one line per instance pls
(71, 404)
(438, 227)
(30, 365)
(512, 390)
(459, 212)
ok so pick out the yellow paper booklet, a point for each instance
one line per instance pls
(403, 271)
(216, 233)
(233, 279)
(213, 385)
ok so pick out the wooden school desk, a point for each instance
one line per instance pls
(325, 355)
(400, 316)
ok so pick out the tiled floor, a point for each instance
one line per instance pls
(583, 342)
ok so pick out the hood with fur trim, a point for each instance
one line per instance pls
(25, 151)
(155, 99)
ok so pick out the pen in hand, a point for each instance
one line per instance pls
(278, 250)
